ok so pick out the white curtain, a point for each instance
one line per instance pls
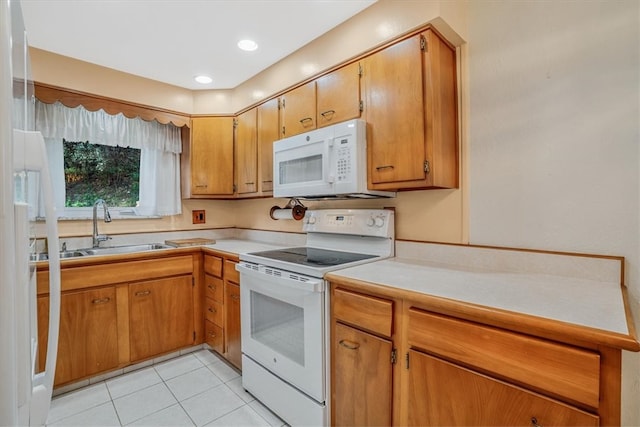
(160, 146)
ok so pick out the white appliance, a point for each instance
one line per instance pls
(326, 163)
(25, 395)
(284, 307)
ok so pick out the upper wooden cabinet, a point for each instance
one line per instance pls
(410, 106)
(246, 146)
(268, 132)
(210, 158)
(299, 110)
(338, 95)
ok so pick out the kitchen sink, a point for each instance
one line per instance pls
(124, 249)
(43, 256)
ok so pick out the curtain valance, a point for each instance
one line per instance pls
(78, 124)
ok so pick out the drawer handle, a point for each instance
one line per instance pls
(268, 181)
(534, 422)
(212, 287)
(350, 344)
(249, 183)
(143, 293)
(101, 300)
(201, 186)
(306, 119)
(212, 335)
(384, 167)
(211, 310)
(235, 297)
(327, 113)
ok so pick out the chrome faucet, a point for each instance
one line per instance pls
(97, 238)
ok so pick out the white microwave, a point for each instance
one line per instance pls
(326, 163)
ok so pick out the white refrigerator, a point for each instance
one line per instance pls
(25, 394)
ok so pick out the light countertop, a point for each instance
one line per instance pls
(578, 301)
(240, 246)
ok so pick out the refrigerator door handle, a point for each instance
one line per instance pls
(29, 153)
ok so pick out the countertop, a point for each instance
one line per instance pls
(239, 246)
(572, 301)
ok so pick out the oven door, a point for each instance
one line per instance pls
(282, 321)
(302, 165)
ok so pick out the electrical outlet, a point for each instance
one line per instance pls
(198, 217)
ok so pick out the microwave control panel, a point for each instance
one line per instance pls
(344, 162)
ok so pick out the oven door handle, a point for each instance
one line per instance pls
(294, 280)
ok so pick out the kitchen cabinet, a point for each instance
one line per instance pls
(362, 354)
(455, 371)
(442, 393)
(115, 312)
(88, 335)
(338, 95)
(161, 317)
(298, 112)
(222, 307)
(268, 132)
(210, 162)
(410, 105)
(214, 306)
(232, 313)
(246, 158)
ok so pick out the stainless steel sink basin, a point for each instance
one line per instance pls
(124, 249)
(103, 251)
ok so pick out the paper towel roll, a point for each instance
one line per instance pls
(277, 213)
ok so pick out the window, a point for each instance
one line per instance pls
(95, 171)
(132, 164)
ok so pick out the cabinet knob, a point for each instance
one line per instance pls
(142, 293)
(349, 344)
(101, 300)
(235, 297)
(534, 422)
(211, 310)
(327, 113)
(306, 119)
(212, 287)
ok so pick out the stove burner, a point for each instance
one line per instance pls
(313, 257)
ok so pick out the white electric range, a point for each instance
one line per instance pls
(285, 309)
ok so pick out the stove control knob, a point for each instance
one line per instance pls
(312, 220)
(379, 222)
(370, 222)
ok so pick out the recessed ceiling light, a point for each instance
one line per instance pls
(203, 79)
(248, 45)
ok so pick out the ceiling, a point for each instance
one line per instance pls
(172, 41)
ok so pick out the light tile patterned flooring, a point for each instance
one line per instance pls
(197, 389)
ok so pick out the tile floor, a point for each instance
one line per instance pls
(197, 389)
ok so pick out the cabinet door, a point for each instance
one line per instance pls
(299, 110)
(88, 337)
(394, 110)
(161, 316)
(232, 324)
(441, 393)
(361, 378)
(338, 95)
(268, 132)
(212, 156)
(246, 152)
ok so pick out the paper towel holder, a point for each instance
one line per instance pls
(297, 210)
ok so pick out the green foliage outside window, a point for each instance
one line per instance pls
(94, 171)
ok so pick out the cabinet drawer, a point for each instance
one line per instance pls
(230, 272)
(214, 336)
(213, 312)
(371, 313)
(213, 265)
(214, 288)
(557, 369)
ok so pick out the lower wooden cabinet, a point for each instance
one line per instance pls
(232, 328)
(442, 393)
(161, 316)
(88, 337)
(457, 372)
(363, 372)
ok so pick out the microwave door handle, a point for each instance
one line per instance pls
(330, 172)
